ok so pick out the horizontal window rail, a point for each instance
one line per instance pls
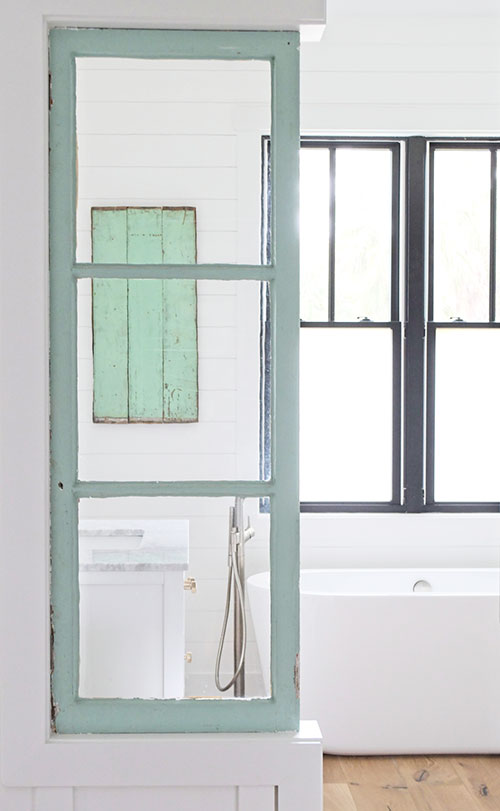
(89, 270)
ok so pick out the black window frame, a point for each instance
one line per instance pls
(414, 331)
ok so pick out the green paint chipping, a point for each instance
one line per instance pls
(145, 331)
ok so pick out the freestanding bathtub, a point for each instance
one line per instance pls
(396, 661)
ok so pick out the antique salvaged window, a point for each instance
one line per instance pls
(174, 599)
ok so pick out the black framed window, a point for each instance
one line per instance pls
(399, 325)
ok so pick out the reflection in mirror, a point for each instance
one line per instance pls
(168, 379)
(164, 609)
(176, 133)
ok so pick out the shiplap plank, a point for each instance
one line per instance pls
(399, 58)
(150, 119)
(153, 439)
(110, 318)
(418, 88)
(175, 86)
(174, 467)
(152, 181)
(402, 118)
(157, 150)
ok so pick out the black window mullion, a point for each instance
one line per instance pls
(396, 412)
(331, 277)
(395, 226)
(430, 295)
(414, 351)
(493, 228)
(430, 435)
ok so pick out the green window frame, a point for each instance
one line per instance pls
(71, 713)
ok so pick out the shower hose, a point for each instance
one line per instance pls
(233, 574)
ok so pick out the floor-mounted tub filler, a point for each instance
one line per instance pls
(396, 661)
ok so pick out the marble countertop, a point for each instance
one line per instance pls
(134, 546)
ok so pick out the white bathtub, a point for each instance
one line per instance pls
(389, 670)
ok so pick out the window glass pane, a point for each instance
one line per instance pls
(467, 445)
(173, 133)
(168, 379)
(346, 414)
(314, 233)
(146, 630)
(461, 234)
(363, 217)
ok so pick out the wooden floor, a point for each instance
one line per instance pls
(442, 783)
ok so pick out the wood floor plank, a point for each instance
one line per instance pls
(332, 770)
(372, 771)
(481, 776)
(337, 797)
(378, 798)
(439, 770)
(416, 783)
(428, 797)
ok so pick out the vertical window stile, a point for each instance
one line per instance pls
(414, 354)
(395, 227)
(493, 226)
(331, 283)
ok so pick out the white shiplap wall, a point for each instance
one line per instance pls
(402, 74)
(183, 133)
(440, 76)
(392, 74)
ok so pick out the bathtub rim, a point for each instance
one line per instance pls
(261, 581)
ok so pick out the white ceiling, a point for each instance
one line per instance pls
(435, 8)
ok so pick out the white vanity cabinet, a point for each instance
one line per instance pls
(132, 618)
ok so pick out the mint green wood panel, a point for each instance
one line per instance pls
(157, 357)
(145, 318)
(180, 369)
(145, 360)
(110, 320)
